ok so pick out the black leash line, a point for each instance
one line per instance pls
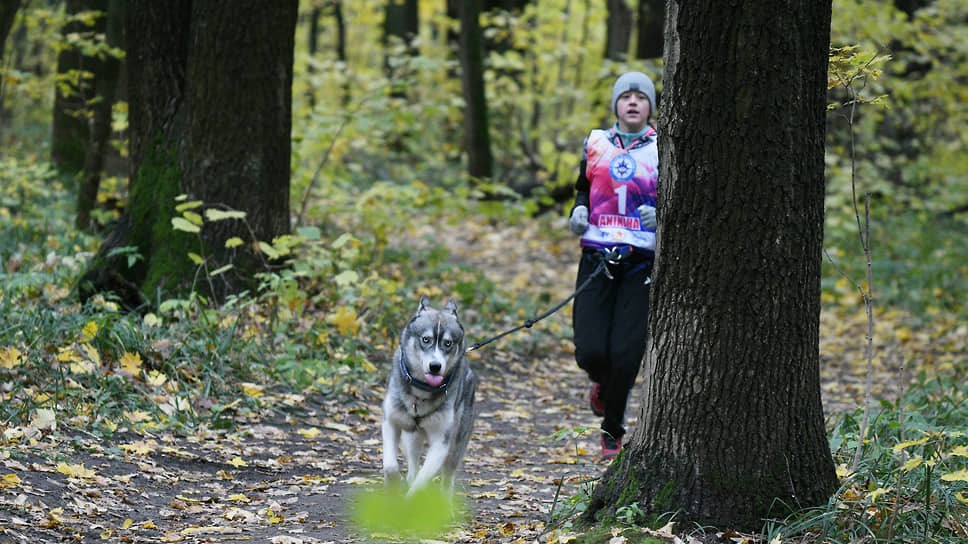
(602, 267)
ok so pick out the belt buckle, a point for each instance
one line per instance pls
(613, 256)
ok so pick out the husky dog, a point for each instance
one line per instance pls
(430, 397)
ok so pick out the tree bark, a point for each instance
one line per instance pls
(106, 73)
(70, 130)
(476, 135)
(194, 132)
(618, 33)
(650, 23)
(400, 22)
(8, 13)
(732, 430)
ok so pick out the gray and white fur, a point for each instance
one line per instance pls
(429, 399)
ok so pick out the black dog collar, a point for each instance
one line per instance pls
(423, 386)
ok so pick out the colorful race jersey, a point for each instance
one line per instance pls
(620, 180)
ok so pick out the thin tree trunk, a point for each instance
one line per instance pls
(70, 133)
(106, 74)
(650, 23)
(8, 14)
(477, 138)
(618, 34)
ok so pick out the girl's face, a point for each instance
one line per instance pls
(633, 110)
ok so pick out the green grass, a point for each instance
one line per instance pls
(910, 484)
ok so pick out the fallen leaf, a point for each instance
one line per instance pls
(238, 462)
(10, 358)
(75, 471)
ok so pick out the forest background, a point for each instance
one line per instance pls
(373, 153)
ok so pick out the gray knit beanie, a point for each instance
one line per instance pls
(634, 81)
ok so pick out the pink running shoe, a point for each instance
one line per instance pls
(610, 445)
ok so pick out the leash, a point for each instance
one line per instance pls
(612, 256)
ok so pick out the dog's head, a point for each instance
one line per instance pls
(433, 342)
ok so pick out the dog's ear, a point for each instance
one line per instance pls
(452, 306)
(424, 304)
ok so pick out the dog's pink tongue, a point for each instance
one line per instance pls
(433, 380)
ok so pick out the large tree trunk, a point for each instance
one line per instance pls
(476, 136)
(732, 431)
(195, 132)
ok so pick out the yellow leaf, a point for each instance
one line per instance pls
(92, 353)
(233, 242)
(961, 497)
(149, 525)
(309, 433)
(89, 331)
(912, 463)
(909, 443)
(82, 367)
(196, 258)
(239, 497)
(127, 524)
(67, 355)
(252, 390)
(138, 416)
(156, 378)
(368, 366)
(960, 476)
(137, 448)
(75, 471)
(190, 205)
(179, 223)
(10, 480)
(10, 357)
(345, 321)
(193, 217)
(878, 492)
(238, 462)
(131, 363)
(152, 320)
(961, 451)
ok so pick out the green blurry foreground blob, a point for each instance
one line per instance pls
(387, 511)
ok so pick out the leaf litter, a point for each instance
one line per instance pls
(289, 476)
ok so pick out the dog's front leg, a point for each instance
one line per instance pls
(391, 440)
(434, 460)
(412, 443)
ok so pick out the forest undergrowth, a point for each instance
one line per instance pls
(328, 321)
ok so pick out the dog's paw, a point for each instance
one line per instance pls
(393, 479)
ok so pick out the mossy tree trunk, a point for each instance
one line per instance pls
(209, 89)
(731, 430)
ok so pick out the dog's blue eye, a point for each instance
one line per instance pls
(448, 343)
(425, 339)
